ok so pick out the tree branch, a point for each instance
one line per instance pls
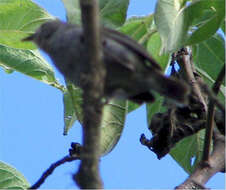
(88, 176)
(50, 170)
(204, 172)
(212, 96)
(210, 117)
(184, 60)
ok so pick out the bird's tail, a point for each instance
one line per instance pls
(168, 86)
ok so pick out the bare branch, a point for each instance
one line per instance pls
(210, 117)
(88, 176)
(50, 170)
(184, 59)
(204, 172)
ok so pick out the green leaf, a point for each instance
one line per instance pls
(112, 12)
(10, 178)
(73, 11)
(132, 106)
(69, 112)
(29, 63)
(72, 100)
(209, 26)
(166, 12)
(209, 55)
(113, 121)
(154, 48)
(138, 28)
(175, 25)
(76, 97)
(188, 149)
(18, 19)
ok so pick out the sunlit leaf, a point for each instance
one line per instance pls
(10, 178)
(29, 63)
(166, 12)
(176, 27)
(18, 19)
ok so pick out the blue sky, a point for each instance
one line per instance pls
(31, 119)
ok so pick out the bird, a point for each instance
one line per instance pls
(131, 73)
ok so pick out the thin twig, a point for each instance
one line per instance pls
(210, 117)
(88, 176)
(50, 170)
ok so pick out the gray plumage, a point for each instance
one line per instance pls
(131, 72)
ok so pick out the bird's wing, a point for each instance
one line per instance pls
(125, 63)
(130, 44)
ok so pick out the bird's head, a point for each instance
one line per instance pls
(43, 34)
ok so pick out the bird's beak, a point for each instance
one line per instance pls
(29, 38)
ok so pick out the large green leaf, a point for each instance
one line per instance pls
(10, 178)
(113, 118)
(166, 12)
(177, 26)
(17, 20)
(188, 152)
(209, 26)
(112, 12)
(29, 63)
(209, 55)
(113, 121)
